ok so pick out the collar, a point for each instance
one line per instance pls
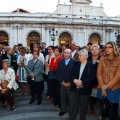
(67, 59)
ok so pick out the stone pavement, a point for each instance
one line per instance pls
(25, 111)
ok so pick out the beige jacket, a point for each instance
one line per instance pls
(10, 77)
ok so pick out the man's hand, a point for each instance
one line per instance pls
(32, 75)
(66, 84)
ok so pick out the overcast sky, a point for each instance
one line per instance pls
(111, 7)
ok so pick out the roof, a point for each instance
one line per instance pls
(20, 10)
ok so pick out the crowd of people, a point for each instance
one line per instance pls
(76, 77)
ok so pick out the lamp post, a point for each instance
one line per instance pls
(117, 35)
(53, 34)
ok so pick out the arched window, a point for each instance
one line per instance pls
(95, 38)
(3, 36)
(34, 34)
(94, 35)
(65, 38)
(65, 34)
(32, 38)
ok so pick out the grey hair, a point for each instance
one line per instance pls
(84, 51)
(74, 43)
(7, 61)
(68, 50)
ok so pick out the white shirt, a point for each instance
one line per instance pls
(46, 60)
(23, 59)
(81, 69)
(73, 53)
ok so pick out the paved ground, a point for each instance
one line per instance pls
(25, 111)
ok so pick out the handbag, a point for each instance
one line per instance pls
(52, 75)
(29, 77)
(4, 85)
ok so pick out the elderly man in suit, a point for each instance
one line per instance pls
(64, 68)
(34, 69)
(81, 76)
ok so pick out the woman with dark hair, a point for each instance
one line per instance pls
(8, 55)
(102, 50)
(15, 51)
(34, 69)
(47, 64)
(108, 74)
(55, 83)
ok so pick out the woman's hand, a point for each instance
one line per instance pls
(3, 91)
(46, 64)
(78, 83)
(104, 87)
(104, 93)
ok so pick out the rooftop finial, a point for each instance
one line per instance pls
(58, 1)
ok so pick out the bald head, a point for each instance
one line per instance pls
(67, 50)
(67, 53)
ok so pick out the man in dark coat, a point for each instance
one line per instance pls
(64, 68)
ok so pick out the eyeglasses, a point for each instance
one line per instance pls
(108, 47)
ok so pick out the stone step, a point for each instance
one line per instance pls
(26, 111)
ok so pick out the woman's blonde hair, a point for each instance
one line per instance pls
(28, 49)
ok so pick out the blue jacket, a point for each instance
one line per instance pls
(87, 77)
(38, 68)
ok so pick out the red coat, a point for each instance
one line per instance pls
(54, 65)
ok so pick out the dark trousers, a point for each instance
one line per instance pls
(65, 98)
(36, 89)
(109, 109)
(49, 92)
(56, 93)
(7, 96)
(43, 81)
(113, 111)
(77, 101)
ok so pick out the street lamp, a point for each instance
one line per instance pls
(117, 35)
(53, 34)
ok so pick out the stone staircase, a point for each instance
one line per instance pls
(26, 111)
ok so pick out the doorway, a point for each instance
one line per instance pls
(65, 38)
(33, 38)
(3, 37)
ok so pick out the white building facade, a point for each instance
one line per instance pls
(78, 22)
